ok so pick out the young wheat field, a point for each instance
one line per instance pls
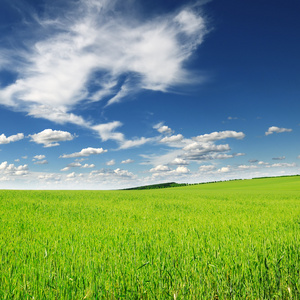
(227, 240)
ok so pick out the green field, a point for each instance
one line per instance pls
(227, 240)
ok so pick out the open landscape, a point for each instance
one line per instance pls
(226, 240)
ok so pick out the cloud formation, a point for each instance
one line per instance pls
(88, 52)
(127, 161)
(275, 129)
(10, 139)
(11, 169)
(84, 152)
(50, 138)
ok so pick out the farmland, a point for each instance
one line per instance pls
(227, 240)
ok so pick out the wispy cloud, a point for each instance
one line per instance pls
(89, 52)
(127, 161)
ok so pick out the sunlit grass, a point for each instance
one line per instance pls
(231, 240)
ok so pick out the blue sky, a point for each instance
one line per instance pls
(99, 94)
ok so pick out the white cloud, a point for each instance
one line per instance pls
(205, 148)
(179, 161)
(12, 170)
(49, 177)
(160, 168)
(111, 162)
(246, 167)
(162, 128)
(123, 173)
(80, 42)
(262, 163)
(221, 135)
(65, 169)
(276, 129)
(126, 144)
(85, 166)
(10, 139)
(56, 114)
(84, 152)
(71, 175)
(281, 165)
(172, 139)
(106, 131)
(224, 170)
(163, 172)
(39, 157)
(127, 161)
(199, 151)
(50, 138)
(181, 170)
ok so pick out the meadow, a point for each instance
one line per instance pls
(227, 240)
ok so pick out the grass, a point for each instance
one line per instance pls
(227, 240)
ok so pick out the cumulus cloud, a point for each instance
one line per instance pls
(205, 148)
(71, 175)
(85, 166)
(160, 168)
(84, 152)
(179, 161)
(127, 161)
(181, 170)
(13, 170)
(10, 139)
(111, 162)
(49, 177)
(221, 135)
(198, 151)
(224, 170)
(50, 138)
(162, 128)
(39, 157)
(86, 50)
(275, 129)
(162, 172)
(172, 139)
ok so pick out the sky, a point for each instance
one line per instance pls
(99, 94)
